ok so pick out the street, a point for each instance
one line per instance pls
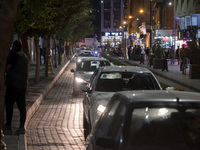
(57, 124)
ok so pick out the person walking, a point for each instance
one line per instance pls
(16, 85)
(165, 62)
(177, 54)
(171, 55)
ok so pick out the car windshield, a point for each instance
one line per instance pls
(123, 81)
(91, 65)
(164, 128)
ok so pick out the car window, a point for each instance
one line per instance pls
(90, 65)
(164, 128)
(106, 119)
(117, 122)
(123, 81)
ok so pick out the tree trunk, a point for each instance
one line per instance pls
(55, 56)
(59, 53)
(7, 20)
(37, 70)
(25, 48)
(47, 56)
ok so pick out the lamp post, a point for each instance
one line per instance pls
(150, 45)
(125, 39)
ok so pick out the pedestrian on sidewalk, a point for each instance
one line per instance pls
(165, 62)
(16, 84)
(177, 54)
(171, 55)
(142, 55)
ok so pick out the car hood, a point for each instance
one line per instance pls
(85, 75)
(101, 97)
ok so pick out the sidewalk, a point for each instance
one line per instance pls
(174, 74)
(35, 94)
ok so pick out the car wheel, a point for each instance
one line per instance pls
(86, 127)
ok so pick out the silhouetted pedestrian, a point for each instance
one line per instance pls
(177, 54)
(16, 84)
(171, 54)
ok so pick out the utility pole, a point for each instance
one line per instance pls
(150, 25)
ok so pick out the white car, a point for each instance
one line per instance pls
(106, 81)
(85, 67)
(148, 120)
(84, 53)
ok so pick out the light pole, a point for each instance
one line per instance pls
(125, 39)
(150, 45)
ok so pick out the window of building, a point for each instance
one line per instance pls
(106, 4)
(187, 21)
(182, 23)
(106, 15)
(116, 14)
(106, 23)
(117, 4)
(194, 21)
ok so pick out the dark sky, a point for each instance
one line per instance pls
(96, 5)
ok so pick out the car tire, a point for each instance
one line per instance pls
(86, 127)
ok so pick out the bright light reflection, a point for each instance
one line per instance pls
(101, 108)
(79, 80)
(162, 111)
(79, 60)
(146, 109)
(133, 94)
(147, 116)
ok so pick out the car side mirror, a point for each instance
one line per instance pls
(106, 142)
(85, 87)
(72, 70)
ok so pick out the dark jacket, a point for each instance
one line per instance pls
(16, 75)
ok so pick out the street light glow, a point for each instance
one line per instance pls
(124, 22)
(170, 3)
(130, 17)
(141, 10)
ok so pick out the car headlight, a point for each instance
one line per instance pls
(79, 80)
(79, 60)
(101, 108)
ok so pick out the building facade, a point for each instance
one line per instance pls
(112, 16)
(152, 20)
(187, 17)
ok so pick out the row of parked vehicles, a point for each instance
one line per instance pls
(125, 108)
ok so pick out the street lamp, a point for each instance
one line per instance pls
(125, 39)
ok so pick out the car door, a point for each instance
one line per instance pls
(87, 99)
(110, 124)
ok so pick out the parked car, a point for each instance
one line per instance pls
(84, 53)
(106, 81)
(85, 67)
(148, 120)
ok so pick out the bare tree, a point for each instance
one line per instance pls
(7, 19)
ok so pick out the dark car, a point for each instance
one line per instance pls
(148, 120)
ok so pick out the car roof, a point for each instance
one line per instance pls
(125, 69)
(85, 50)
(159, 96)
(92, 58)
